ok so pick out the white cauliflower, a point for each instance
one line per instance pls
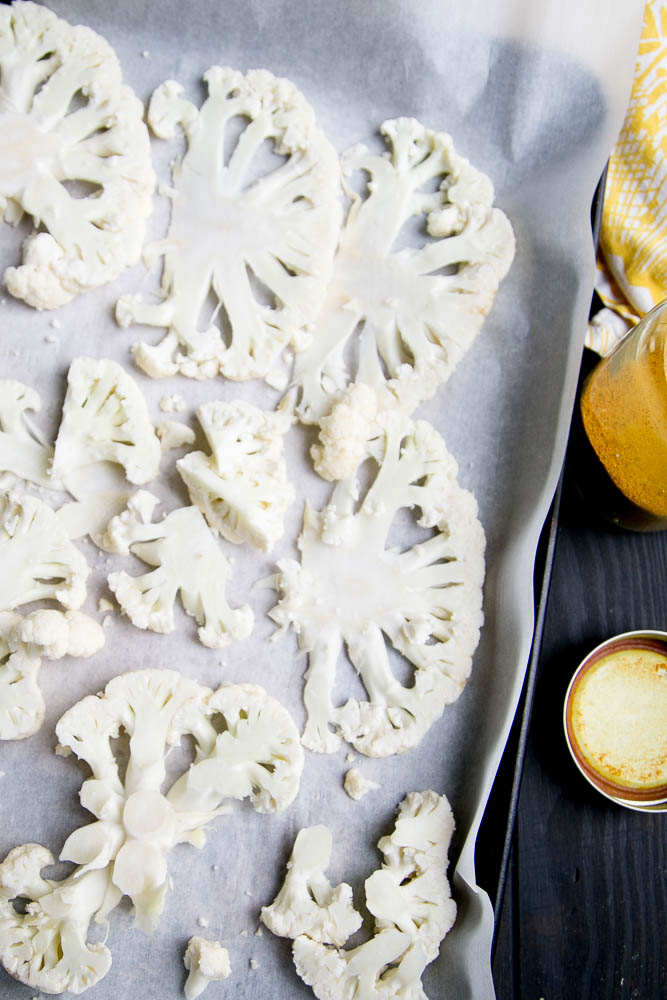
(241, 488)
(418, 308)
(254, 753)
(259, 237)
(206, 962)
(344, 433)
(45, 947)
(356, 785)
(351, 589)
(188, 562)
(37, 557)
(23, 643)
(410, 899)
(75, 156)
(307, 903)
(23, 452)
(105, 428)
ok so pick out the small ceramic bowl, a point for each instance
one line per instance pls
(615, 719)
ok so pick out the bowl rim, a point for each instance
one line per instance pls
(633, 798)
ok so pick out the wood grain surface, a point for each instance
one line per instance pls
(585, 905)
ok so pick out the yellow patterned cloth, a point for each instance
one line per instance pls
(632, 260)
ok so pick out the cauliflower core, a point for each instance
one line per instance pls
(257, 237)
(74, 154)
(409, 897)
(242, 488)
(188, 561)
(350, 589)
(418, 309)
(246, 747)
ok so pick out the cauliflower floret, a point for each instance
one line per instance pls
(23, 452)
(307, 903)
(206, 961)
(418, 309)
(410, 899)
(188, 562)
(105, 419)
(344, 433)
(261, 245)
(351, 589)
(23, 643)
(46, 143)
(105, 428)
(356, 786)
(38, 559)
(45, 947)
(242, 487)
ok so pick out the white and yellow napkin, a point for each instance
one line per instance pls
(632, 257)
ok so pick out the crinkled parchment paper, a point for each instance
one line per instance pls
(533, 93)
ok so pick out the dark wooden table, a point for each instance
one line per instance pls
(583, 914)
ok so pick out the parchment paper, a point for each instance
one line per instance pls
(533, 93)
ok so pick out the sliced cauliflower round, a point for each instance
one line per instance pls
(188, 562)
(23, 643)
(257, 237)
(38, 559)
(409, 897)
(350, 589)
(418, 309)
(75, 156)
(255, 754)
(241, 488)
(23, 451)
(307, 903)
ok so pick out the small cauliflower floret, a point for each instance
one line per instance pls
(307, 903)
(75, 156)
(23, 643)
(411, 311)
(37, 557)
(105, 439)
(344, 433)
(241, 488)
(258, 239)
(410, 899)
(356, 786)
(351, 589)
(188, 560)
(45, 947)
(23, 452)
(105, 419)
(206, 961)
(174, 434)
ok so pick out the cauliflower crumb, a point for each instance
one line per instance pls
(202, 922)
(356, 785)
(174, 403)
(51, 338)
(259, 932)
(104, 604)
(254, 964)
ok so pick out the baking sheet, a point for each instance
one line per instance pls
(533, 94)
